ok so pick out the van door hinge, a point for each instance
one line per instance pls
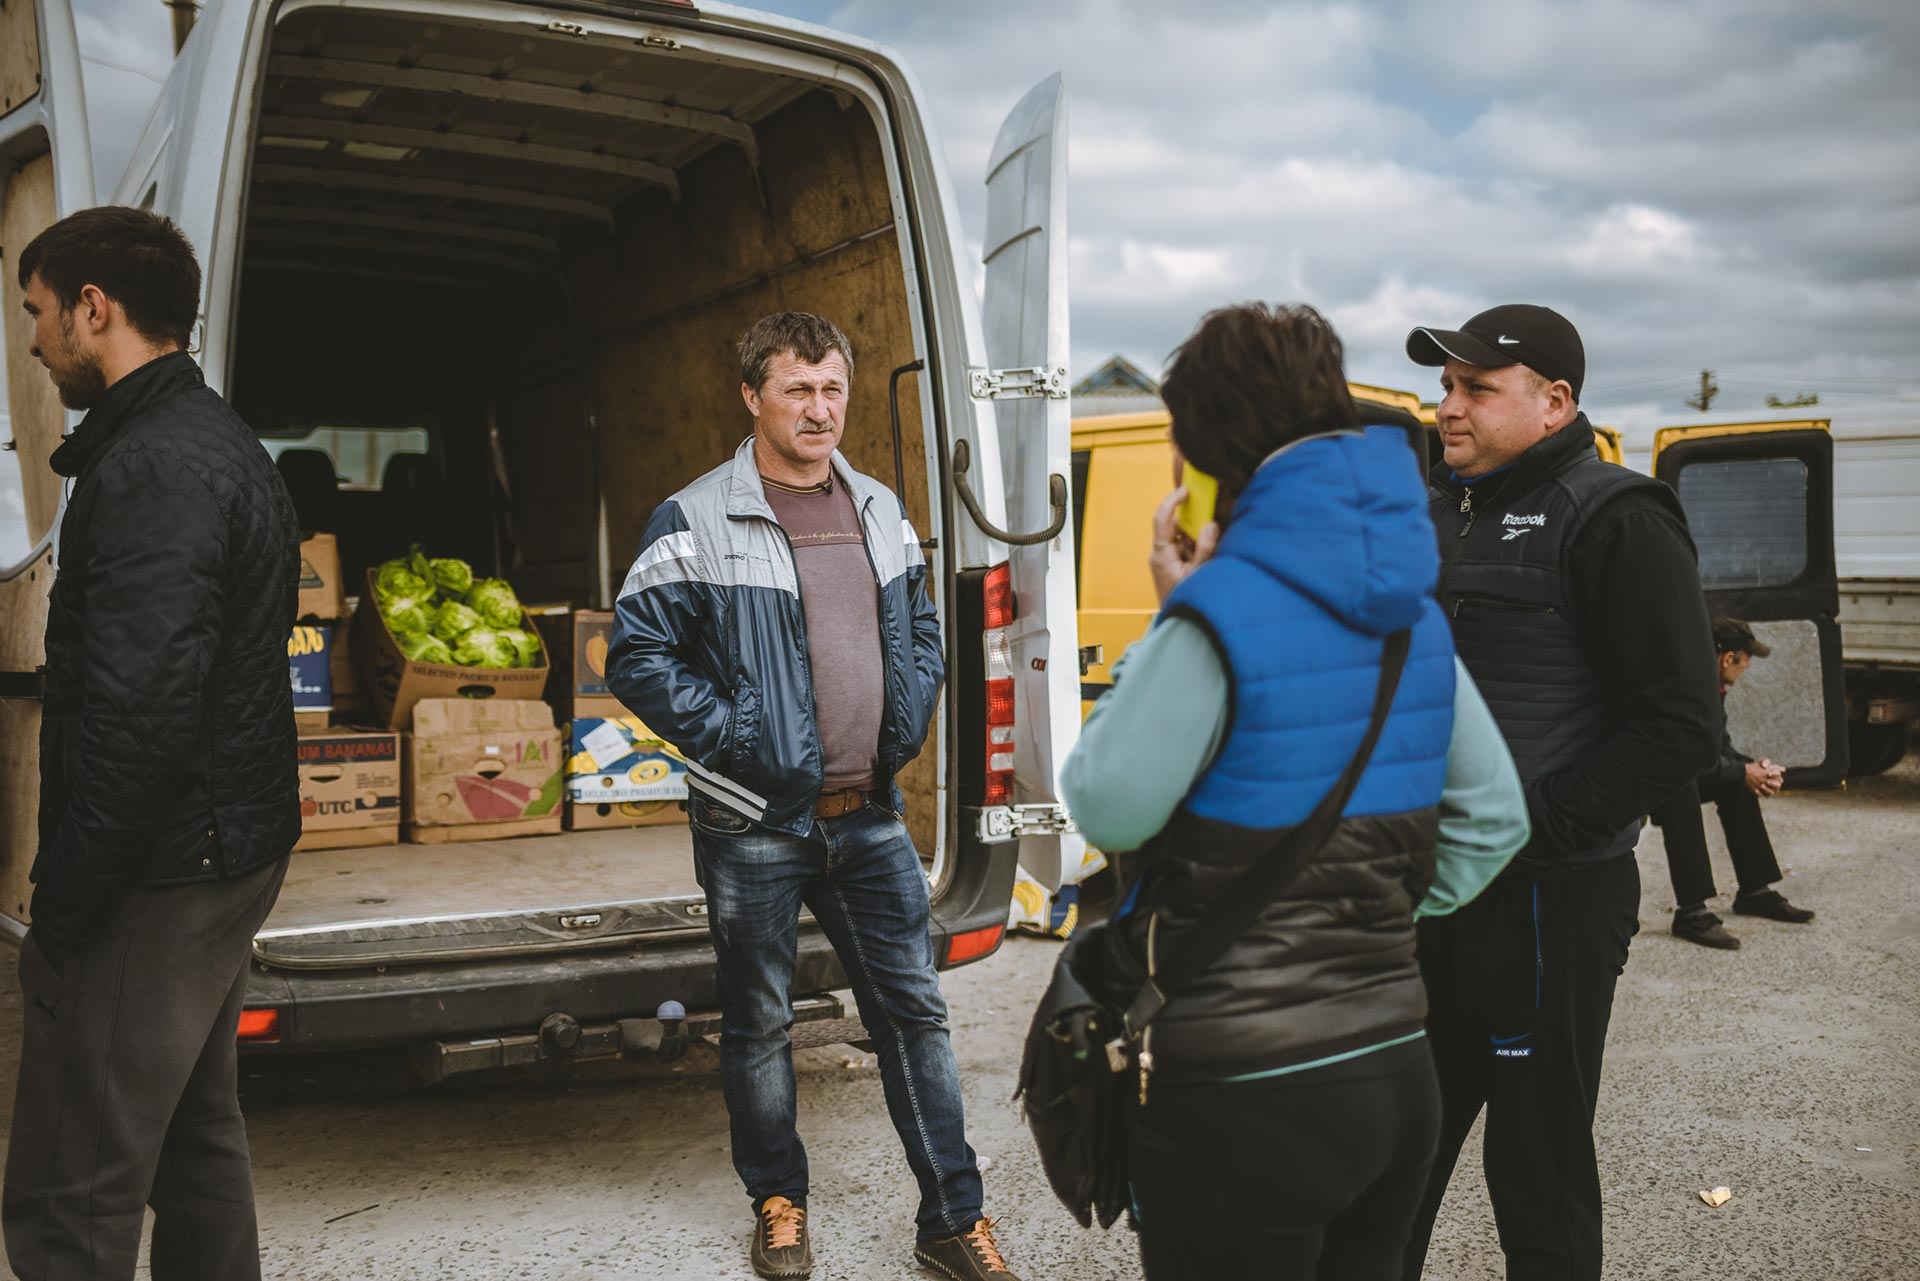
(1017, 384)
(1010, 822)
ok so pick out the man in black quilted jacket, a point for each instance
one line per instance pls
(169, 799)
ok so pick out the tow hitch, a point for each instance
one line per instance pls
(818, 1020)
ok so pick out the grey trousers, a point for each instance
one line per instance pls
(128, 1093)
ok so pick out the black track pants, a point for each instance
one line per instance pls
(1520, 985)
(1681, 822)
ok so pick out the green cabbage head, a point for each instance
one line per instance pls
(418, 563)
(496, 603)
(421, 647)
(483, 647)
(452, 577)
(394, 581)
(454, 620)
(526, 646)
(408, 618)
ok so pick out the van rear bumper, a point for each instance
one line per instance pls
(367, 1009)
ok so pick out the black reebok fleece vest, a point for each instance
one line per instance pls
(1504, 583)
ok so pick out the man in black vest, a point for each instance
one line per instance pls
(1575, 598)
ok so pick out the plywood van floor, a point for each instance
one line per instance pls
(404, 882)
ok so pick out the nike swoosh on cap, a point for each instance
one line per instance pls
(1510, 342)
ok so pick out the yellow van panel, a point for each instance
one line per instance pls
(1606, 442)
(1129, 470)
(1674, 435)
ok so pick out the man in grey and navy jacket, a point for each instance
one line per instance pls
(776, 628)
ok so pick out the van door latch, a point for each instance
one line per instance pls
(1018, 384)
(1010, 822)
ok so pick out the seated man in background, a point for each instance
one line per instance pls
(1735, 786)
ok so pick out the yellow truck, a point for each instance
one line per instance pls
(1759, 498)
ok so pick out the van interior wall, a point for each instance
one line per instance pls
(645, 347)
(316, 349)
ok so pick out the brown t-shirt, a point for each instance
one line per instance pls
(842, 607)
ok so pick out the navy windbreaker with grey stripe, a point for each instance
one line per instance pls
(710, 642)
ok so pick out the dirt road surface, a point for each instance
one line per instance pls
(1788, 1072)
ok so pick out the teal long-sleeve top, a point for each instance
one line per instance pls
(1150, 737)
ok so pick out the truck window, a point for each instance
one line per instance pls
(1749, 519)
(359, 454)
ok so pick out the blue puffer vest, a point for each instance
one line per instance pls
(1330, 550)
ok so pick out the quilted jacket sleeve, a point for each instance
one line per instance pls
(664, 611)
(155, 581)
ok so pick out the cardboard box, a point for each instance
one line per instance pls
(576, 644)
(479, 769)
(349, 705)
(322, 591)
(394, 683)
(310, 670)
(614, 759)
(349, 790)
(582, 817)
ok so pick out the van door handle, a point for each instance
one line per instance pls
(1056, 495)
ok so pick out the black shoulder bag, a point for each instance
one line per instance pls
(1074, 1072)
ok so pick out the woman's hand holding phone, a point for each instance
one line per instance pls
(1176, 554)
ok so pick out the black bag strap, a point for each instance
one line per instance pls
(1249, 896)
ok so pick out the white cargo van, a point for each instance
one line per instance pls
(524, 237)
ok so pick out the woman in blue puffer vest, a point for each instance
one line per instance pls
(1293, 1111)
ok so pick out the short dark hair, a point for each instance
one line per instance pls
(807, 336)
(1250, 379)
(137, 258)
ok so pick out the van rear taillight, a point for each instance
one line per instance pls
(259, 1025)
(997, 615)
(974, 944)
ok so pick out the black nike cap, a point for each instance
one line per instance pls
(1514, 334)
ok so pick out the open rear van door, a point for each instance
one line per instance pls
(1025, 306)
(46, 173)
(1759, 501)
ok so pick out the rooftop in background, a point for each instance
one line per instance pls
(1117, 387)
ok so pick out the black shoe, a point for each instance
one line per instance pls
(1770, 904)
(1698, 925)
(781, 1244)
(971, 1256)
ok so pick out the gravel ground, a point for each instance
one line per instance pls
(1787, 1071)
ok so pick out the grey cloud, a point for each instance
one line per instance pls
(1729, 183)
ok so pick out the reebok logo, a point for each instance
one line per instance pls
(1522, 524)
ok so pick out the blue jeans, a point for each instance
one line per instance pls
(861, 878)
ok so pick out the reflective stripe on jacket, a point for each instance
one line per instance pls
(709, 642)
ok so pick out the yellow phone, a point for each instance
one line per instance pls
(1196, 509)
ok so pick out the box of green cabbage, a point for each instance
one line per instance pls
(427, 628)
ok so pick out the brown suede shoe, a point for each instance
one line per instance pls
(971, 1256)
(781, 1245)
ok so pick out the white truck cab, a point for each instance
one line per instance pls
(528, 234)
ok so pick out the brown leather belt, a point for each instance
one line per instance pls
(839, 804)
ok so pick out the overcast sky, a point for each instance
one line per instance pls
(1722, 185)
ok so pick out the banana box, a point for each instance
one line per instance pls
(1032, 910)
(621, 772)
(310, 671)
(349, 790)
